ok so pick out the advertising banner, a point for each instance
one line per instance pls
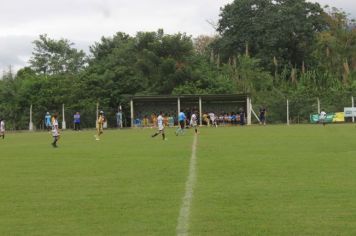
(330, 117)
(339, 117)
(350, 111)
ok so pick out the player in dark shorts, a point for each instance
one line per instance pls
(181, 120)
(262, 116)
(242, 116)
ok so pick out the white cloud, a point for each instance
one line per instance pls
(86, 21)
(349, 6)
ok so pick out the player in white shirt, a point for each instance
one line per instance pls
(55, 130)
(322, 117)
(2, 128)
(160, 125)
(213, 119)
(194, 122)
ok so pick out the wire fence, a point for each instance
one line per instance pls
(279, 110)
(299, 109)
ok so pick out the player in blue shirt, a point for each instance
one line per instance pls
(48, 122)
(181, 121)
(76, 118)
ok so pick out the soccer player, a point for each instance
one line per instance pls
(99, 125)
(262, 116)
(194, 122)
(2, 128)
(322, 117)
(48, 122)
(181, 120)
(55, 130)
(160, 124)
(213, 119)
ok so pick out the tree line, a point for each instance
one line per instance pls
(271, 49)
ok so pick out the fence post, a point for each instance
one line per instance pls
(178, 106)
(200, 111)
(97, 114)
(248, 111)
(132, 112)
(63, 120)
(30, 127)
(353, 104)
(287, 112)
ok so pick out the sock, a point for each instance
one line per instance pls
(163, 136)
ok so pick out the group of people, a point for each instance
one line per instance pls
(161, 121)
(151, 121)
(77, 120)
(51, 123)
(181, 124)
(211, 119)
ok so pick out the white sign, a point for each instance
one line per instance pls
(350, 111)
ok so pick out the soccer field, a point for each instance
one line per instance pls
(258, 180)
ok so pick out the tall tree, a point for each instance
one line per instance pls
(283, 29)
(56, 56)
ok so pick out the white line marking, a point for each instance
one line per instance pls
(183, 219)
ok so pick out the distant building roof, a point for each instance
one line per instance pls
(205, 97)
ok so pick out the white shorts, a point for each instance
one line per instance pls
(160, 128)
(55, 133)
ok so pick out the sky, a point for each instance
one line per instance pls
(84, 22)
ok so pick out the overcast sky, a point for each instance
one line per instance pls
(86, 21)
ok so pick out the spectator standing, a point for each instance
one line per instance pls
(119, 118)
(242, 116)
(322, 117)
(262, 116)
(76, 121)
(48, 122)
(2, 128)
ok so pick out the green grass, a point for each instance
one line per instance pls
(273, 180)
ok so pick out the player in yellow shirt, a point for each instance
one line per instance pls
(99, 125)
